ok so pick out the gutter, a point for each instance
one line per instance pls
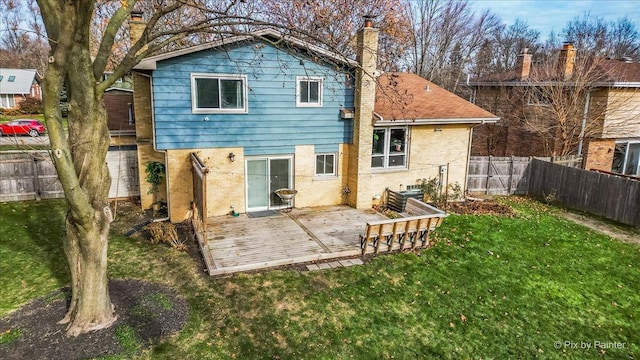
(584, 121)
(631, 84)
(478, 121)
(150, 63)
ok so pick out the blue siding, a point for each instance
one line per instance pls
(273, 124)
(327, 148)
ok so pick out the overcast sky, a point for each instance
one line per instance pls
(548, 15)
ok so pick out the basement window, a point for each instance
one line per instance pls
(11, 78)
(326, 164)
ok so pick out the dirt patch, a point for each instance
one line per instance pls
(480, 208)
(601, 226)
(147, 312)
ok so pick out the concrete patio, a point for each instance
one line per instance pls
(242, 243)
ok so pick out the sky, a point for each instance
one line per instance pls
(548, 15)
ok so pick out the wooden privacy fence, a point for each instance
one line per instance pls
(614, 197)
(506, 175)
(31, 175)
(27, 176)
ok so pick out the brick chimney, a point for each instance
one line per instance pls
(136, 27)
(523, 64)
(359, 158)
(566, 60)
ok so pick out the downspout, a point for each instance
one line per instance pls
(584, 121)
(153, 141)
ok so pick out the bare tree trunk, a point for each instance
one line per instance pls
(79, 157)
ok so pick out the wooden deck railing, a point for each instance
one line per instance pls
(412, 229)
(199, 204)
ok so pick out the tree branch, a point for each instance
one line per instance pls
(102, 56)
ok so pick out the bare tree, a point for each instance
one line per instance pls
(565, 109)
(446, 36)
(594, 36)
(501, 47)
(337, 21)
(22, 43)
(79, 58)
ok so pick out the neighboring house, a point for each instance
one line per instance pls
(123, 83)
(607, 111)
(16, 85)
(269, 111)
(121, 116)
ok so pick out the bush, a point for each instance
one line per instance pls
(166, 232)
(30, 105)
(433, 191)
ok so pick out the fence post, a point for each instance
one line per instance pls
(529, 175)
(488, 175)
(510, 176)
(36, 180)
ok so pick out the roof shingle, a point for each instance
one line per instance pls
(404, 96)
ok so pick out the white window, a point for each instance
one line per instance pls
(216, 93)
(389, 148)
(308, 91)
(626, 158)
(326, 164)
(7, 101)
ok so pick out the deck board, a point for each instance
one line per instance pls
(308, 234)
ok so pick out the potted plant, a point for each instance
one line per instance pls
(155, 174)
(397, 144)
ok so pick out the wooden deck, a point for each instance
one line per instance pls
(241, 243)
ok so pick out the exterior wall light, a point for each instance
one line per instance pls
(232, 157)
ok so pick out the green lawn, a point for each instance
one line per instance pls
(491, 288)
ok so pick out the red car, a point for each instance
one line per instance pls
(22, 127)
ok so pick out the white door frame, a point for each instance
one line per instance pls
(268, 159)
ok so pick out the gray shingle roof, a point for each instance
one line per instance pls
(21, 83)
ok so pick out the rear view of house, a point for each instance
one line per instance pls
(16, 85)
(267, 111)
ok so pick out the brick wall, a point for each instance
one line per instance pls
(360, 151)
(599, 154)
(496, 140)
(429, 149)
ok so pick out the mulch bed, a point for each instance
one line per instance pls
(480, 208)
(152, 310)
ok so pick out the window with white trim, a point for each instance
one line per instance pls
(626, 158)
(7, 101)
(389, 148)
(326, 164)
(308, 91)
(218, 93)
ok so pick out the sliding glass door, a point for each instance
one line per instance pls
(264, 176)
